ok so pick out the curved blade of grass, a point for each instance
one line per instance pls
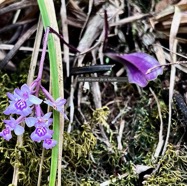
(49, 19)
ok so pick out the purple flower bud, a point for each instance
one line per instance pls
(6, 133)
(137, 65)
(49, 143)
(41, 133)
(21, 101)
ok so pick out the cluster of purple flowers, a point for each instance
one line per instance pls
(22, 103)
(25, 100)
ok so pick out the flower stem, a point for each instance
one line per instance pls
(43, 53)
(47, 94)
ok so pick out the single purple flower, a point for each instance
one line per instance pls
(137, 65)
(21, 101)
(57, 105)
(41, 133)
(49, 143)
(19, 106)
(14, 125)
(45, 121)
(6, 133)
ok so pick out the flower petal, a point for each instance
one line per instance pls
(136, 76)
(143, 62)
(10, 110)
(35, 137)
(60, 101)
(30, 121)
(48, 102)
(25, 88)
(11, 96)
(49, 143)
(25, 112)
(11, 123)
(34, 100)
(17, 92)
(137, 65)
(47, 115)
(19, 130)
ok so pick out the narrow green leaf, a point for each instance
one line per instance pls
(49, 19)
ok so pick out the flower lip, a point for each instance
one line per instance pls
(41, 133)
(6, 133)
(49, 143)
(20, 104)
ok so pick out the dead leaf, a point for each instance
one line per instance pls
(164, 4)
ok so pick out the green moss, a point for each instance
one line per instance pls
(79, 144)
(144, 131)
(172, 170)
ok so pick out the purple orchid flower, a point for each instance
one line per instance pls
(137, 65)
(57, 105)
(45, 121)
(21, 101)
(6, 133)
(49, 143)
(41, 133)
(14, 125)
